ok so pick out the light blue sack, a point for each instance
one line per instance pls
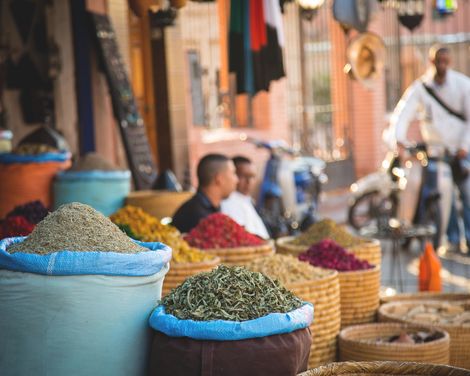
(105, 191)
(78, 313)
(222, 330)
(79, 263)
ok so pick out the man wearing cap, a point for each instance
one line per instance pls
(441, 99)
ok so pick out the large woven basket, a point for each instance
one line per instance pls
(359, 296)
(358, 343)
(385, 368)
(284, 247)
(369, 251)
(160, 204)
(241, 255)
(324, 294)
(427, 295)
(179, 272)
(459, 334)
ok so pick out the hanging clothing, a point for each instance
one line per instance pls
(255, 44)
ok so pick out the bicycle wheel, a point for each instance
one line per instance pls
(367, 208)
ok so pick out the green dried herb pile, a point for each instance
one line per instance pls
(76, 227)
(327, 229)
(229, 293)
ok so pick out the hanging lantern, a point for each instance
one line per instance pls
(445, 7)
(354, 14)
(411, 13)
(309, 8)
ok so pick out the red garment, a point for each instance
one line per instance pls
(258, 34)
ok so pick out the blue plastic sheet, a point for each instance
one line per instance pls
(79, 263)
(222, 330)
(10, 158)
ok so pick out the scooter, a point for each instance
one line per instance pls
(403, 189)
(290, 189)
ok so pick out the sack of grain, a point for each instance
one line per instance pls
(75, 297)
(230, 321)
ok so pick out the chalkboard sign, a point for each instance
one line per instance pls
(124, 105)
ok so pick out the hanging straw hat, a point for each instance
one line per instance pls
(366, 55)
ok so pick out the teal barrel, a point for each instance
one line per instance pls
(105, 191)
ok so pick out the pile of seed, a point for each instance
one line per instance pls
(286, 269)
(229, 293)
(327, 229)
(93, 161)
(140, 225)
(76, 227)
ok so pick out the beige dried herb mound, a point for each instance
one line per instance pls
(229, 293)
(286, 269)
(76, 227)
(93, 161)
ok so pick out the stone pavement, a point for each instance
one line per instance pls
(455, 268)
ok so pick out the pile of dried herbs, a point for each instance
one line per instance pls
(286, 269)
(327, 229)
(76, 227)
(229, 293)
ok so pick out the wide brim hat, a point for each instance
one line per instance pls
(366, 56)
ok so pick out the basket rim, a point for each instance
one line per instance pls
(382, 312)
(284, 240)
(250, 248)
(386, 368)
(343, 336)
(193, 265)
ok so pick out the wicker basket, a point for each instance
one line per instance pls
(179, 272)
(359, 296)
(448, 296)
(241, 255)
(385, 368)
(284, 247)
(459, 334)
(357, 343)
(160, 204)
(369, 251)
(325, 296)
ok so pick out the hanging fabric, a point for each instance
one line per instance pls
(275, 41)
(255, 44)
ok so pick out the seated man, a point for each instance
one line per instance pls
(216, 180)
(239, 206)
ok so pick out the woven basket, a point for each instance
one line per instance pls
(459, 334)
(359, 296)
(357, 343)
(448, 296)
(385, 368)
(179, 272)
(160, 204)
(284, 247)
(324, 294)
(369, 251)
(241, 255)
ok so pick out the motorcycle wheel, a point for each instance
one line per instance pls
(367, 208)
